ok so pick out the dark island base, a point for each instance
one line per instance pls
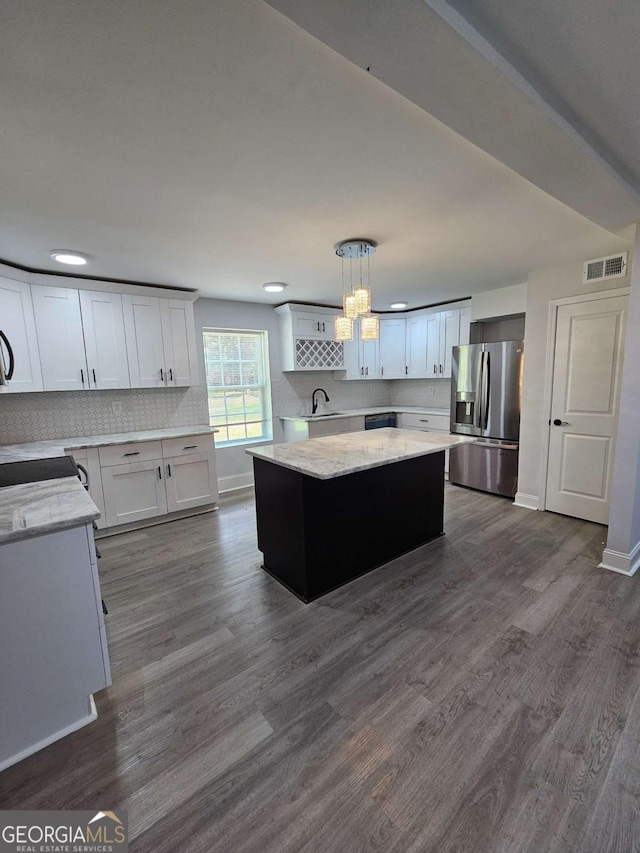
(317, 535)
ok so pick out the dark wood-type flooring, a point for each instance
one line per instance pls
(479, 694)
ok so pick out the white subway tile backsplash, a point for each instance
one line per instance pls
(291, 393)
(416, 392)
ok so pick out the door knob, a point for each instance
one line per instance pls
(558, 422)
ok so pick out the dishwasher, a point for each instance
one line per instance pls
(388, 419)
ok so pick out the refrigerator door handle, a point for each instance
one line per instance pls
(479, 386)
(486, 383)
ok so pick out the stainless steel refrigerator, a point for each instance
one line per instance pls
(486, 390)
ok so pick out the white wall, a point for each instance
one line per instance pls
(543, 287)
(499, 303)
(623, 542)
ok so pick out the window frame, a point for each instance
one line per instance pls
(263, 387)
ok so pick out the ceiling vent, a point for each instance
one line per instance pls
(613, 266)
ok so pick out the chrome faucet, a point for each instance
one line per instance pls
(314, 402)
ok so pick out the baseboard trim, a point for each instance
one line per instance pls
(41, 744)
(527, 501)
(235, 482)
(623, 564)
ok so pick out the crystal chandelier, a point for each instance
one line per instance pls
(357, 301)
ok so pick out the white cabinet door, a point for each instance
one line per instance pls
(433, 345)
(313, 326)
(449, 338)
(370, 359)
(134, 492)
(18, 324)
(392, 348)
(143, 332)
(104, 339)
(465, 325)
(178, 338)
(352, 361)
(191, 481)
(60, 338)
(416, 354)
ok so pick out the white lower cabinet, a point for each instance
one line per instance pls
(134, 492)
(148, 479)
(190, 481)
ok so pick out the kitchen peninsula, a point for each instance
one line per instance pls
(333, 508)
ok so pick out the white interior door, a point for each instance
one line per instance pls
(584, 410)
(17, 323)
(143, 331)
(60, 338)
(104, 339)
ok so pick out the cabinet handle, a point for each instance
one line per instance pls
(161, 375)
(362, 371)
(382, 371)
(406, 370)
(440, 368)
(169, 470)
(435, 368)
(318, 325)
(82, 375)
(323, 329)
(424, 420)
(133, 453)
(190, 447)
(171, 374)
(95, 381)
(159, 472)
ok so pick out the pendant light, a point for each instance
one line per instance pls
(357, 302)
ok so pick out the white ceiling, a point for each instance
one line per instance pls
(218, 146)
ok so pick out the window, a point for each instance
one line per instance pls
(237, 370)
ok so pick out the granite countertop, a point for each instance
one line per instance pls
(32, 509)
(372, 410)
(338, 455)
(58, 446)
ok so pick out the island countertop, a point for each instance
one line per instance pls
(338, 455)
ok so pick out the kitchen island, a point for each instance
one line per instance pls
(333, 508)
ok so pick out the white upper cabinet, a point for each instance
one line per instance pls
(416, 354)
(449, 338)
(18, 324)
(161, 343)
(393, 363)
(443, 333)
(178, 339)
(143, 331)
(313, 326)
(104, 339)
(433, 344)
(361, 358)
(60, 338)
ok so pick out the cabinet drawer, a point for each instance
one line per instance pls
(136, 451)
(410, 420)
(187, 445)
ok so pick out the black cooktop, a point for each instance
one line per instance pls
(33, 471)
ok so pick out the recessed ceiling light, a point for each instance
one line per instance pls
(399, 305)
(64, 256)
(274, 287)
